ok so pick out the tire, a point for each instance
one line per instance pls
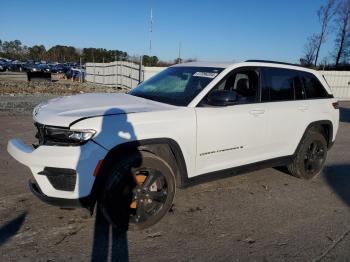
(310, 156)
(138, 192)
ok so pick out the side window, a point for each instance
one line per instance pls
(281, 85)
(279, 82)
(313, 87)
(244, 82)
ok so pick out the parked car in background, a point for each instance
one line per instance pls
(74, 70)
(58, 68)
(40, 68)
(27, 67)
(15, 66)
(75, 74)
(44, 68)
(3, 66)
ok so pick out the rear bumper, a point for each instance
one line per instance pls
(53, 166)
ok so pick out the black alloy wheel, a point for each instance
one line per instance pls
(138, 192)
(314, 157)
(310, 155)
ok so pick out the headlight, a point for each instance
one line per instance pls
(63, 136)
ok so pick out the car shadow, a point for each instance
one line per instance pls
(11, 228)
(338, 178)
(115, 184)
(344, 114)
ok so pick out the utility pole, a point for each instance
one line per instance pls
(180, 53)
(140, 70)
(81, 72)
(150, 33)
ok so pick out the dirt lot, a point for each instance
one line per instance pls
(17, 94)
(260, 216)
(12, 83)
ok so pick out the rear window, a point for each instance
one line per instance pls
(313, 87)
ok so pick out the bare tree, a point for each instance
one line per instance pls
(310, 50)
(342, 40)
(325, 14)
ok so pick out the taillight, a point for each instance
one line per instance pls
(335, 105)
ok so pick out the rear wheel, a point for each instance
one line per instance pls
(138, 192)
(310, 156)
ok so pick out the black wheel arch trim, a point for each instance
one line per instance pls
(319, 123)
(139, 145)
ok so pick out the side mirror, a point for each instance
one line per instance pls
(223, 98)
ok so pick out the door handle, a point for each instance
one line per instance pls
(303, 108)
(257, 111)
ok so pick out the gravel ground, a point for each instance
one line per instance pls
(265, 215)
(22, 102)
(20, 96)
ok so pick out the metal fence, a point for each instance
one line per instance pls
(120, 74)
(339, 81)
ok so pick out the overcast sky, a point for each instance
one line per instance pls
(207, 29)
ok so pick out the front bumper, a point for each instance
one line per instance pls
(61, 202)
(81, 159)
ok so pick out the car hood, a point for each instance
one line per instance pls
(63, 111)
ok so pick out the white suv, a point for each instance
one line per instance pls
(194, 121)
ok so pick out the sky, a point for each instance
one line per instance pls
(208, 30)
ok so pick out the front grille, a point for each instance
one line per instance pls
(40, 134)
(60, 178)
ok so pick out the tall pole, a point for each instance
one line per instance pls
(180, 52)
(140, 70)
(81, 72)
(150, 33)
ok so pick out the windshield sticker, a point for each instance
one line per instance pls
(205, 74)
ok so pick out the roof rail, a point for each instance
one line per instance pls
(272, 62)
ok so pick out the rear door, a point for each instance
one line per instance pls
(284, 99)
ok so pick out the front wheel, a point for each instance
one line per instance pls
(310, 156)
(139, 191)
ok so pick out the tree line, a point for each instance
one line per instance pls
(334, 16)
(15, 50)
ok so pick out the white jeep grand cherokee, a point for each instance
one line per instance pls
(128, 152)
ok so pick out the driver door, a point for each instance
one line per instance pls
(235, 135)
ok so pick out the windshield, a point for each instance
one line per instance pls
(176, 85)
